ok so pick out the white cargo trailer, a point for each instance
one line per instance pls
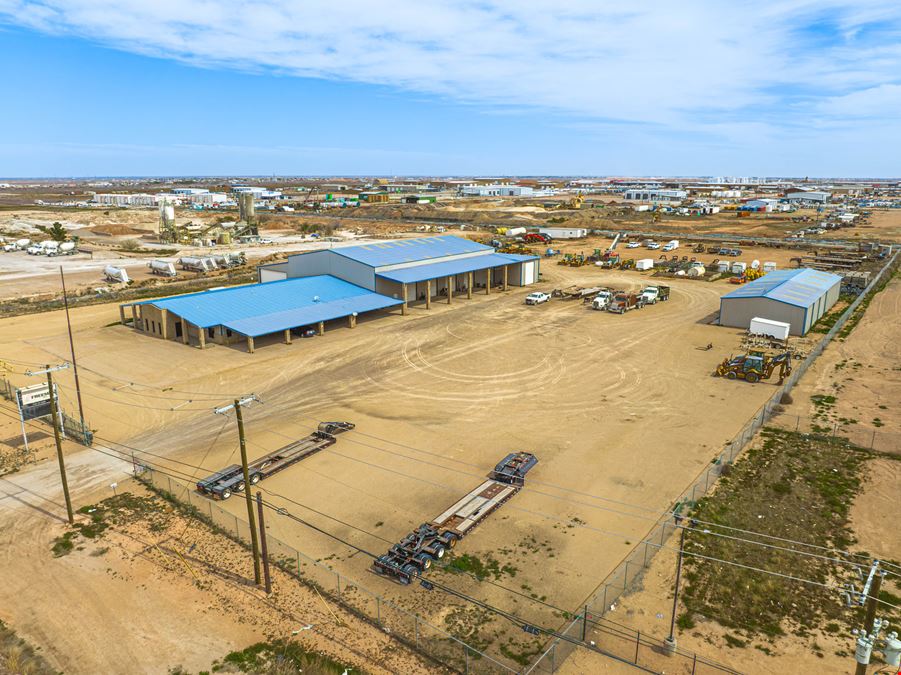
(644, 264)
(162, 268)
(775, 329)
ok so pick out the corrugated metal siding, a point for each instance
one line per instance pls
(259, 309)
(410, 250)
(801, 288)
(738, 312)
(449, 268)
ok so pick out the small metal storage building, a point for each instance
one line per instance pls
(797, 297)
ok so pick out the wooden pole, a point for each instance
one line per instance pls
(72, 350)
(265, 549)
(250, 518)
(59, 447)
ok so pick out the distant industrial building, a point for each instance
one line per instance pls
(654, 195)
(808, 196)
(797, 297)
(310, 290)
(498, 191)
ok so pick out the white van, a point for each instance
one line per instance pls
(671, 245)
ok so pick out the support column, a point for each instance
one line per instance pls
(488, 281)
(134, 317)
(450, 289)
(428, 294)
(202, 335)
(505, 277)
(403, 307)
(139, 322)
(164, 323)
(250, 344)
(122, 314)
(322, 327)
(469, 286)
(352, 321)
(185, 327)
(288, 336)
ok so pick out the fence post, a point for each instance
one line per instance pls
(338, 583)
(873, 440)
(416, 628)
(626, 576)
(637, 645)
(554, 658)
(798, 423)
(237, 531)
(378, 609)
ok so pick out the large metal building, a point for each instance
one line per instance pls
(313, 289)
(797, 297)
(414, 270)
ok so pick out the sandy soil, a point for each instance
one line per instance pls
(438, 398)
(862, 372)
(137, 607)
(860, 390)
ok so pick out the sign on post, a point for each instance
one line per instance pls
(34, 401)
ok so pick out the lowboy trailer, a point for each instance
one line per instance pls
(414, 554)
(222, 484)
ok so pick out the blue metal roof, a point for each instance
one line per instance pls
(409, 275)
(259, 309)
(409, 250)
(801, 287)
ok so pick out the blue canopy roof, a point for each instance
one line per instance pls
(385, 253)
(409, 275)
(801, 287)
(259, 309)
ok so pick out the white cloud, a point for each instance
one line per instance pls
(661, 63)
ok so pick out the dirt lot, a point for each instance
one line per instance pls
(438, 398)
(861, 371)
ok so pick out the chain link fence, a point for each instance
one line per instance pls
(408, 627)
(71, 427)
(881, 438)
(622, 579)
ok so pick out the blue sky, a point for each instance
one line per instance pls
(166, 87)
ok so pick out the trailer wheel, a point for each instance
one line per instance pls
(424, 560)
(226, 494)
(254, 479)
(449, 539)
(411, 570)
(239, 487)
(436, 550)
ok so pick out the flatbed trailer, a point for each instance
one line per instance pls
(414, 554)
(224, 483)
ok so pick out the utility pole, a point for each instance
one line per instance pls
(72, 351)
(868, 636)
(251, 520)
(265, 549)
(669, 643)
(59, 445)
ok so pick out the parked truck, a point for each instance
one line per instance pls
(602, 299)
(414, 554)
(623, 301)
(224, 483)
(652, 294)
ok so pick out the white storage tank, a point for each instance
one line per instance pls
(644, 264)
(697, 271)
(739, 267)
(755, 264)
(162, 268)
(769, 266)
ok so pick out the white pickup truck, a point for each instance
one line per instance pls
(537, 298)
(601, 300)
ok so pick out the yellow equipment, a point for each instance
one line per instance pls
(755, 366)
(576, 202)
